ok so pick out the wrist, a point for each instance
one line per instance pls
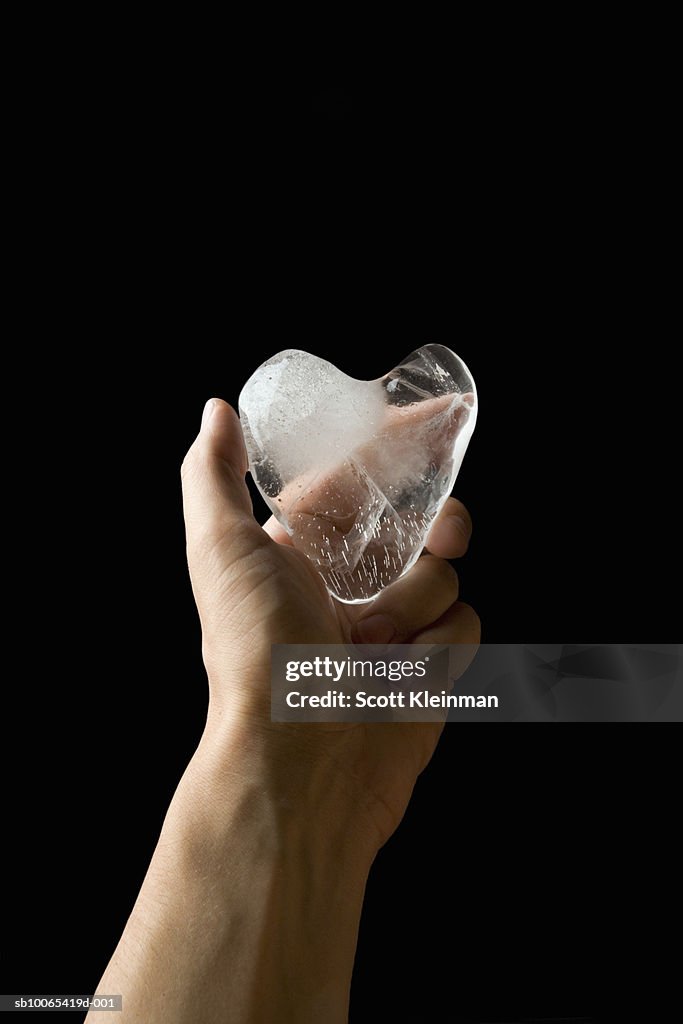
(291, 779)
(292, 882)
(253, 897)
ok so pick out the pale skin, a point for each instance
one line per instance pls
(250, 908)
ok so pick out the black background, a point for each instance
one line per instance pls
(180, 232)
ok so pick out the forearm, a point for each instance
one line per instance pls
(250, 909)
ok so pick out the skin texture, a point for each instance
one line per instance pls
(249, 911)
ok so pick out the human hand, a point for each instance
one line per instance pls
(254, 589)
(249, 910)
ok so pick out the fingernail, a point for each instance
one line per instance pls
(208, 412)
(376, 629)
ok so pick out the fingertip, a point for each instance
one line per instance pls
(213, 474)
(222, 430)
(216, 406)
(468, 623)
(208, 413)
(449, 537)
(215, 411)
(277, 532)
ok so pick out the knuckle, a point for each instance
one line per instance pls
(202, 541)
(470, 620)
(194, 464)
(444, 574)
(189, 463)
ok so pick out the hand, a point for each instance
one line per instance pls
(254, 589)
(249, 911)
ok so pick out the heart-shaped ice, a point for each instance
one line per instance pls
(357, 470)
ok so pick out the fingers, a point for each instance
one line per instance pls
(277, 532)
(450, 534)
(459, 625)
(215, 495)
(460, 628)
(409, 605)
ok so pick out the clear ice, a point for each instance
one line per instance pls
(355, 470)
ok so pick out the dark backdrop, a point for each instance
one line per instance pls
(182, 241)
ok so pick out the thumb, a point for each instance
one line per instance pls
(216, 500)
